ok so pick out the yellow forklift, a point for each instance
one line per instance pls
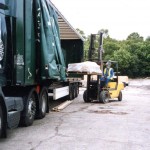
(95, 88)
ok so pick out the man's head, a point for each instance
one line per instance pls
(108, 64)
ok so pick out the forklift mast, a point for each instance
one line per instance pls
(100, 50)
(98, 60)
(92, 48)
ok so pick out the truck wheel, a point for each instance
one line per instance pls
(104, 97)
(43, 103)
(120, 96)
(70, 96)
(85, 98)
(29, 109)
(1, 121)
(76, 90)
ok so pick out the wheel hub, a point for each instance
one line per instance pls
(31, 108)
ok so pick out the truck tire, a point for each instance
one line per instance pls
(29, 109)
(85, 98)
(70, 96)
(104, 97)
(76, 90)
(120, 96)
(43, 103)
(1, 121)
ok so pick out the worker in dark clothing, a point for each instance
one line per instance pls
(107, 74)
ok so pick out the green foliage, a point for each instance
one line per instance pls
(86, 48)
(135, 36)
(123, 57)
(110, 46)
(148, 39)
(132, 54)
(81, 32)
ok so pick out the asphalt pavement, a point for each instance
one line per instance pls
(117, 125)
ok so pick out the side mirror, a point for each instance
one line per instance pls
(3, 6)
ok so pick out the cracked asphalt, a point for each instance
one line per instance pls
(117, 125)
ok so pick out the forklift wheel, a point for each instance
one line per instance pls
(104, 97)
(86, 99)
(120, 96)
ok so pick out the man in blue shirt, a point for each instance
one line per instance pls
(107, 74)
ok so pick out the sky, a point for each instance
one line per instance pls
(120, 17)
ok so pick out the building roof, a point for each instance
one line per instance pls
(67, 32)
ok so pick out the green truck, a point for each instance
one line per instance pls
(32, 63)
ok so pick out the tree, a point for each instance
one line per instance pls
(124, 59)
(110, 46)
(148, 39)
(105, 31)
(144, 59)
(81, 32)
(132, 54)
(86, 47)
(135, 36)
